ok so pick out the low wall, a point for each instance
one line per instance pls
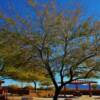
(85, 92)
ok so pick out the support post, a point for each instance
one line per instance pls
(90, 90)
(76, 86)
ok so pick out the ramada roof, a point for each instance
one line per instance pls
(82, 82)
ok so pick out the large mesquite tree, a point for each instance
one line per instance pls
(65, 45)
(62, 44)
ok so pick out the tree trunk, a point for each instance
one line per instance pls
(35, 86)
(57, 92)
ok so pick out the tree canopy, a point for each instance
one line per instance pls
(60, 43)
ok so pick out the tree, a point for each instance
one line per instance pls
(15, 52)
(62, 44)
(23, 75)
(47, 82)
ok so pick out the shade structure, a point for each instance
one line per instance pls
(83, 82)
(78, 82)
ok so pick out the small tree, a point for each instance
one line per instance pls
(47, 83)
(23, 75)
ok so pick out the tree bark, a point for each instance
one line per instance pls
(35, 86)
(57, 92)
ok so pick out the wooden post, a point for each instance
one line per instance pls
(90, 90)
(76, 86)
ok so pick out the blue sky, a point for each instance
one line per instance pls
(90, 8)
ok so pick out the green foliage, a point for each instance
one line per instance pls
(46, 82)
(12, 86)
(29, 87)
(94, 86)
(17, 52)
(60, 45)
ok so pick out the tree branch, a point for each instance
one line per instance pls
(71, 77)
(46, 63)
(2, 66)
(84, 59)
(64, 55)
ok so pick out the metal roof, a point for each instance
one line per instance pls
(82, 82)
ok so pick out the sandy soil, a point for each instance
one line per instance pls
(77, 98)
